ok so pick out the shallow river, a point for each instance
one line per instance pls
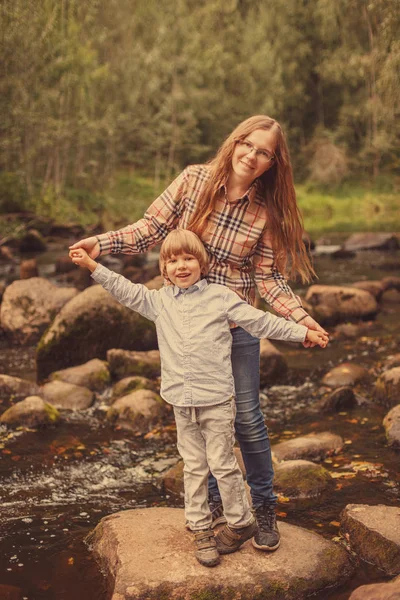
(58, 483)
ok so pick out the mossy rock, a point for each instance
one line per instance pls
(138, 411)
(124, 363)
(132, 384)
(387, 388)
(31, 412)
(88, 326)
(93, 374)
(302, 479)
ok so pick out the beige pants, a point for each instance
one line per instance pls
(205, 442)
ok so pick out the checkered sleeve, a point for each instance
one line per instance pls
(160, 218)
(272, 285)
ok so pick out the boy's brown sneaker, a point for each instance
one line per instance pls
(206, 548)
(229, 539)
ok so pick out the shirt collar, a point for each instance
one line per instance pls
(249, 195)
(199, 285)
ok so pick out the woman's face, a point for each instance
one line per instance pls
(254, 155)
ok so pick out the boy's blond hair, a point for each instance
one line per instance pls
(179, 241)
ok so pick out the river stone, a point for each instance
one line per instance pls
(123, 363)
(301, 479)
(29, 306)
(273, 365)
(390, 297)
(345, 374)
(93, 375)
(10, 592)
(374, 287)
(351, 330)
(387, 388)
(32, 241)
(391, 424)
(14, 388)
(313, 446)
(31, 412)
(88, 326)
(28, 269)
(161, 562)
(374, 534)
(342, 398)
(137, 411)
(372, 240)
(391, 283)
(67, 396)
(332, 304)
(392, 361)
(131, 384)
(378, 591)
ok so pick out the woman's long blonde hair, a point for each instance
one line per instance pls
(285, 222)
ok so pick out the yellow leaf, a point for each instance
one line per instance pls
(71, 560)
(335, 523)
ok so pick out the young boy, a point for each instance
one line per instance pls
(193, 319)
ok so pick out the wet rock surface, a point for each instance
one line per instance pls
(372, 240)
(137, 411)
(374, 534)
(391, 423)
(15, 388)
(88, 326)
(342, 398)
(29, 306)
(67, 396)
(387, 387)
(345, 374)
(159, 566)
(31, 412)
(332, 304)
(301, 479)
(378, 591)
(314, 446)
(133, 383)
(124, 363)
(94, 375)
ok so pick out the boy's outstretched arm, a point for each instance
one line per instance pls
(133, 295)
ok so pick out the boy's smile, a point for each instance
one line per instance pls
(183, 269)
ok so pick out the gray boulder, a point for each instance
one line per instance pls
(345, 374)
(67, 396)
(138, 411)
(93, 375)
(31, 412)
(124, 363)
(332, 304)
(372, 241)
(302, 479)
(378, 591)
(29, 306)
(14, 388)
(374, 534)
(391, 423)
(131, 384)
(161, 562)
(314, 446)
(387, 388)
(88, 326)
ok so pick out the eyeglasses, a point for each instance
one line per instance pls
(263, 154)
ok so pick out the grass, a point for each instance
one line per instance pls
(349, 208)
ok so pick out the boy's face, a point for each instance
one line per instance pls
(183, 269)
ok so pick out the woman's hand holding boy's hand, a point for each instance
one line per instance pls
(317, 338)
(81, 258)
(90, 244)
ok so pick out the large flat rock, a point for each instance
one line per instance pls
(374, 534)
(148, 554)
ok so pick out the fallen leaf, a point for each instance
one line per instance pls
(335, 523)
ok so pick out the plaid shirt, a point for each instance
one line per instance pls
(237, 240)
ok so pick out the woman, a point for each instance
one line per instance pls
(242, 204)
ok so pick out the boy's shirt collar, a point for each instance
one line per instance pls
(199, 285)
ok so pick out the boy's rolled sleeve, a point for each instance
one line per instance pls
(160, 218)
(261, 324)
(133, 295)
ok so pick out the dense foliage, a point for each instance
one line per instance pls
(91, 87)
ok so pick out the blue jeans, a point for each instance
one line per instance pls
(251, 432)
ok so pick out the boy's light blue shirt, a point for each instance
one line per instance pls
(194, 335)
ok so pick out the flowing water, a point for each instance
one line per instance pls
(57, 483)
